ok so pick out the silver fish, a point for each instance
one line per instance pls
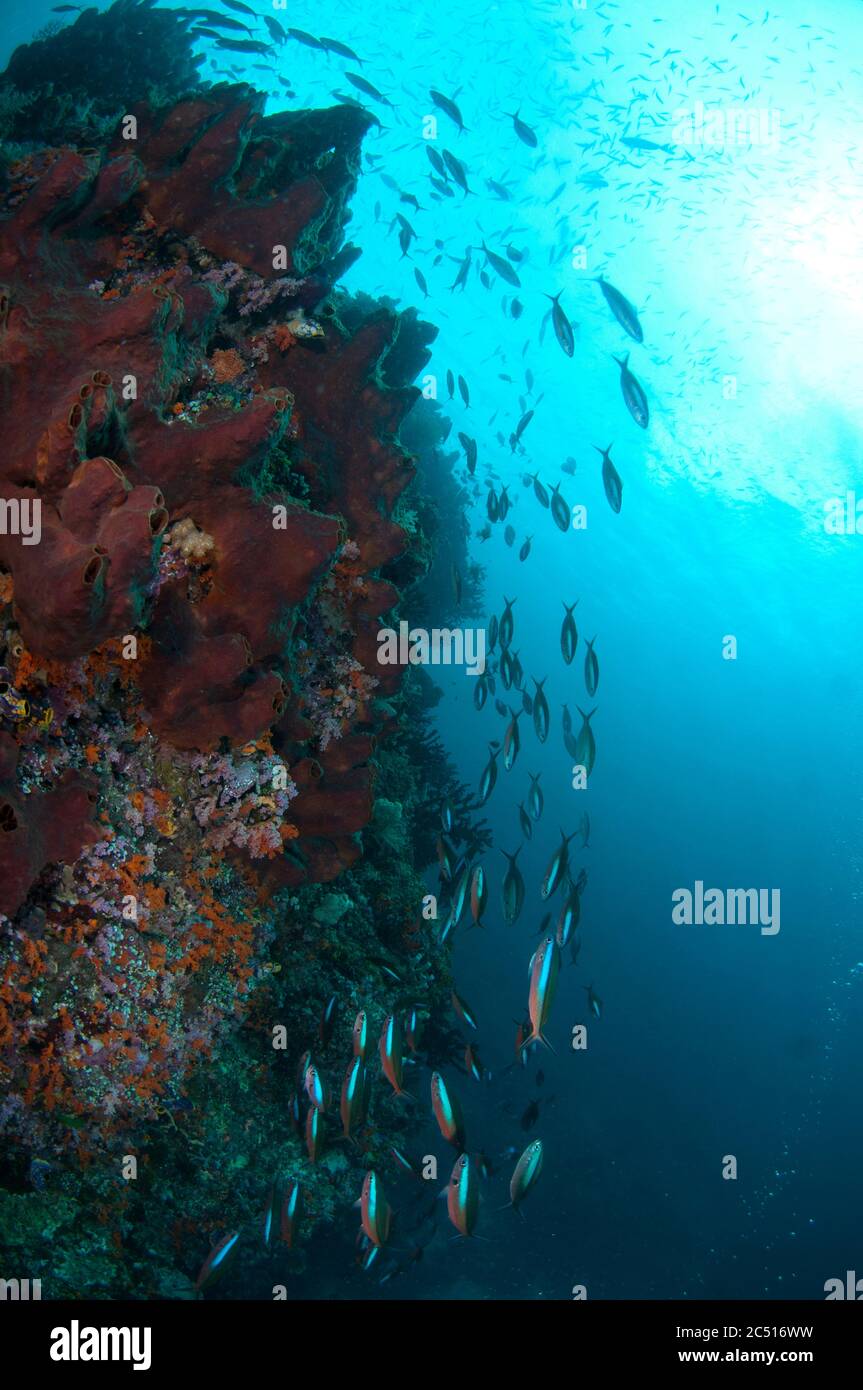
(560, 510)
(569, 634)
(502, 267)
(488, 779)
(541, 718)
(611, 480)
(591, 669)
(505, 669)
(585, 744)
(539, 491)
(512, 890)
(506, 626)
(557, 867)
(562, 326)
(511, 741)
(534, 797)
(633, 393)
(622, 310)
(569, 918)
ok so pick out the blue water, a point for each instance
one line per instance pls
(744, 265)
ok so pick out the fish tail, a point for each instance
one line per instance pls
(538, 1036)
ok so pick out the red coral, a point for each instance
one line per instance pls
(41, 828)
(127, 412)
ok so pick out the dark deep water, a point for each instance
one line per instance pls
(742, 259)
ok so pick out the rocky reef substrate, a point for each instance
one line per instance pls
(215, 806)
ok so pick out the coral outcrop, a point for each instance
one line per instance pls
(202, 487)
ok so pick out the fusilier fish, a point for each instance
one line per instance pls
(569, 740)
(470, 451)
(291, 1214)
(520, 428)
(585, 744)
(392, 1049)
(633, 393)
(505, 669)
(317, 1089)
(562, 326)
(463, 1195)
(534, 796)
(512, 889)
(539, 491)
(478, 894)
(544, 973)
(464, 1011)
(591, 669)
(511, 741)
(541, 716)
(327, 1020)
(363, 86)
(594, 1003)
(560, 509)
(488, 779)
(569, 633)
(360, 1034)
(457, 169)
(557, 867)
(219, 1259)
(526, 1174)
(336, 46)
(315, 1134)
(525, 822)
(611, 480)
(376, 1213)
(447, 1111)
(507, 626)
(459, 900)
(622, 310)
(523, 131)
(569, 917)
(502, 267)
(448, 106)
(352, 1107)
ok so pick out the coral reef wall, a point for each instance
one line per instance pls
(200, 472)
